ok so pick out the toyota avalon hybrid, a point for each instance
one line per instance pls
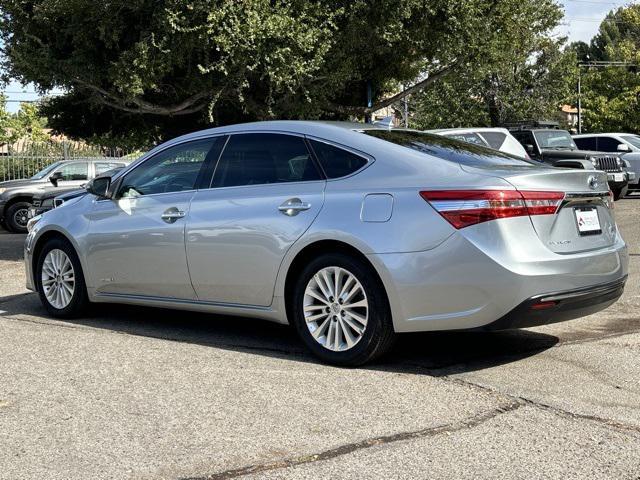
(349, 232)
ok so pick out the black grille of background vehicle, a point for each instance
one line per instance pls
(609, 164)
(35, 203)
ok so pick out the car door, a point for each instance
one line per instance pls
(136, 239)
(266, 191)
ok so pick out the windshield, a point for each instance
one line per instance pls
(555, 139)
(45, 171)
(449, 149)
(632, 139)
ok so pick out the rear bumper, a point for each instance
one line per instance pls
(560, 306)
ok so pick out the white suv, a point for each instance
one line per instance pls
(492, 137)
(627, 144)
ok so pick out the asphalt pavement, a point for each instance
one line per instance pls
(140, 393)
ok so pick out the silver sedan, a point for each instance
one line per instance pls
(348, 232)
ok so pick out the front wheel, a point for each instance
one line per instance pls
(59, 279)
(340, 311)
(17, 216)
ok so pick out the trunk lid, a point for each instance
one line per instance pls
(584, 220)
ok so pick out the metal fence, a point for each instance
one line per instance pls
(25, 159)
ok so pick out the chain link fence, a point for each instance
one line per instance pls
(25, 159)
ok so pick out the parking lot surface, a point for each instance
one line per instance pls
(143, 393)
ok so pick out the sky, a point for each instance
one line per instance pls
(581, 22)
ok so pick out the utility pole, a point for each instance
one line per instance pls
(596, 64)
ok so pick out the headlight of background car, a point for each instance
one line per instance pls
(47, 203)
(594, 161)
(2, 190)
(620, 162)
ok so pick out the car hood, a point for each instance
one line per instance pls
(581, 154)
(72, 194)
(57, 192)
(21, 183)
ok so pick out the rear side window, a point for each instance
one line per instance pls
(448, 149)
(586, 143)
(264, 158)
(74, 171)
(494, 139)
(467, 137)
(337, 162)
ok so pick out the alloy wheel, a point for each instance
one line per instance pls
(336, 309)
(21, 217)
(58, 279)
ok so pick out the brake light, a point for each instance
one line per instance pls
(462, 208)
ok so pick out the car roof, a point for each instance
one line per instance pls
(469, 129)
(583, 135)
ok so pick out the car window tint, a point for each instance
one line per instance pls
(494, 139)
(467, 137)
(608, 144)
(337, 162)
(74, 171)
(102, 167)
(448, 149)
(586, 143)
(264, 158)
(175, 169)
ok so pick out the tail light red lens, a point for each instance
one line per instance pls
(463, 208)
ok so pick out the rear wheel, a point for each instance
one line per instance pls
(340, 310)
(59, 279)
(17, 216)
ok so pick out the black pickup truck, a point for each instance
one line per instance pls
(549, 144)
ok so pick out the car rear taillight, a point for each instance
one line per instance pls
(462, 208)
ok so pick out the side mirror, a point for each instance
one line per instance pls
(99, 187)
(55, 177)
(529, 148)
(623, 147)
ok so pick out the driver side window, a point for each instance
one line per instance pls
(175, 169)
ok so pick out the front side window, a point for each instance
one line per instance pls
(608, 144)
(337, 162)
(632, 139)
(264, 158)
(555, 139)
(74, 171)
(175, 169)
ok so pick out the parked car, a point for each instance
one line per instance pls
(625, 144)
(545, 142)
(498, 138)
(50, 199)
(16, 196)
(349, 232)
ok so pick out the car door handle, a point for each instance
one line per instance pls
(172, 214)
(293, 206)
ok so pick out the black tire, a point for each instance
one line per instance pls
(16, 217)
(378, 336)
(79, 300)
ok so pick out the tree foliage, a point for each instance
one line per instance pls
(522, 76)
(26, 124)
(149, 69)
(611, 95)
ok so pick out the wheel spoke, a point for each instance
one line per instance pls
(332, 321)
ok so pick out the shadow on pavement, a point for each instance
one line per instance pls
(11, 246)
(437, 353)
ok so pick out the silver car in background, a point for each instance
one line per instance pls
(348, 232)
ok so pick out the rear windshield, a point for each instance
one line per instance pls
(449, 149)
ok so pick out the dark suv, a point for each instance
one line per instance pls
(16, 196)
(547, 143)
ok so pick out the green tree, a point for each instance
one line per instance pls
(611, 95)
(143, 69)
(26, 124)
